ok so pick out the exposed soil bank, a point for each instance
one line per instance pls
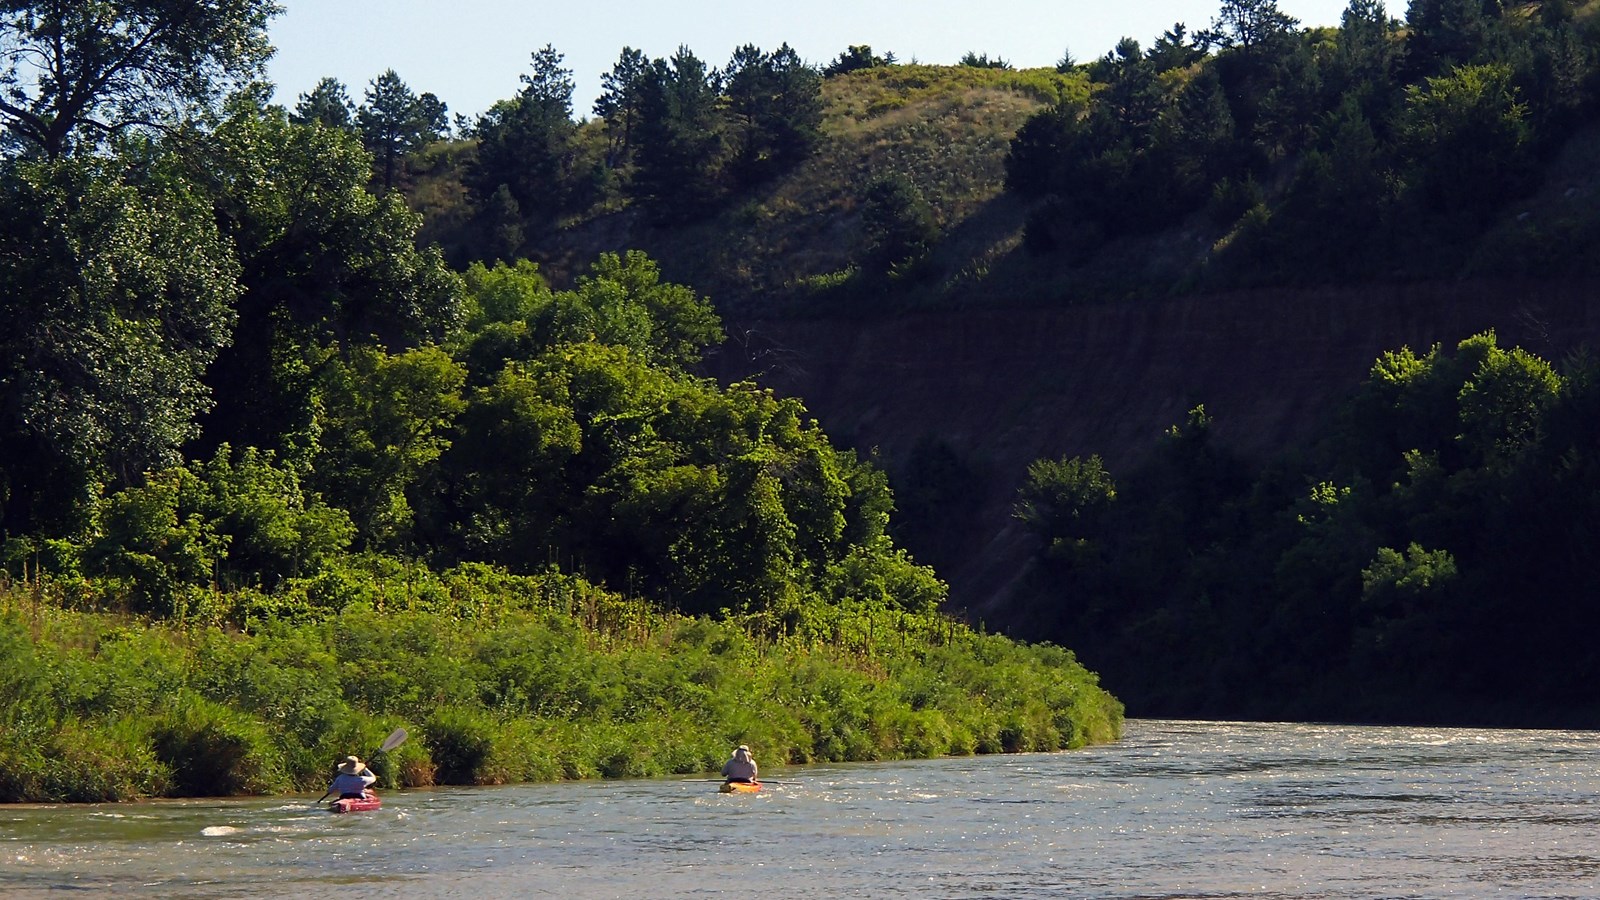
(1006, 387)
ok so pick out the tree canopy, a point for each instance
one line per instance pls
(74, 74)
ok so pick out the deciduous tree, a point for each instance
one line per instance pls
(116, 297)
(74, 73)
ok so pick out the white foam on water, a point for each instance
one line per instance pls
(218, 830)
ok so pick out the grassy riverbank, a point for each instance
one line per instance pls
(500, 679)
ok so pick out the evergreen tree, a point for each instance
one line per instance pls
(619, 101)
(394, 122)
(326, 104)
(775, 102)
(681, 140)
(855, 58)
(1365, 61)
(525, 143)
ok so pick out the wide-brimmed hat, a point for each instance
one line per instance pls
(352, 765)
(744, 748)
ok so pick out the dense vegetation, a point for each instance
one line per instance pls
(1455, 140)
(1427, 559)
(273, 478)
(1373, 151)
(1430, 559)
(499, 678)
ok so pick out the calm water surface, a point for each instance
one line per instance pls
(1177, 809)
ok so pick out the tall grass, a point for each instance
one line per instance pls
(500, 679)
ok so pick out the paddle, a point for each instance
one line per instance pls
(395, 739)
(758, 781)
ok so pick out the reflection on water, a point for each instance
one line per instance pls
(1177, 809)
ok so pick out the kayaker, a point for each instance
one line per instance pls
(741, 766)
(353, 779)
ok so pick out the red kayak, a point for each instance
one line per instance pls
(366, 801)
(740, 787)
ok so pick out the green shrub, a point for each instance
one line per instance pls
(215, 751)
(85, 764)
(460, 742)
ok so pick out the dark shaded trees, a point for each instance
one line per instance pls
(857, 57)
(618, 103)
(525, 143)
(1466, 140)
(394, 122)
(1428, 560)
(681, 138)
(775, 102)
(327, 262)
(897, 223)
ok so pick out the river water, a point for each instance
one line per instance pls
(1176, 809)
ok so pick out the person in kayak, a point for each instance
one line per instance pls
(741, 766)
(353, 779)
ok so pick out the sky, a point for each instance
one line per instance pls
(469, 53)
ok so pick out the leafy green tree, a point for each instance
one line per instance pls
(116, 295)
(1467, 140)
(76, 73)
(237, 519)
(394, 122)
(1503, 405)
(623, 301)
(327, 104)
(275, 528)
(506, 494)
(620, 301)
(322, 260)
(525, 143)
(385, 420)
(1064, 502)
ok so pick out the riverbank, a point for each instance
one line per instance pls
(501, 680)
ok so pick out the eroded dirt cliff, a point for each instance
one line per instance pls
(1005, 387)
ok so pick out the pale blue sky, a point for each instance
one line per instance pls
(470, 52)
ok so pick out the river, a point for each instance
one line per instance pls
(1176, 809)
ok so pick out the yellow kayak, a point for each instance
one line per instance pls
(740, 787)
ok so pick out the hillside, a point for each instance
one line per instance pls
(1001, 357)
(1005, 387)
(947, 128)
